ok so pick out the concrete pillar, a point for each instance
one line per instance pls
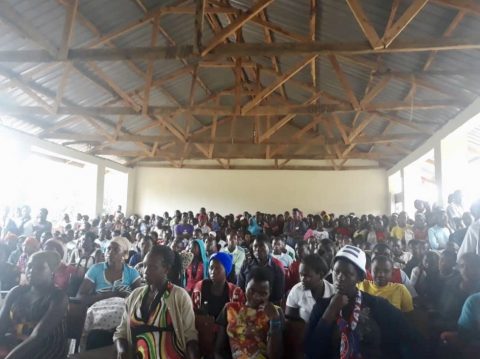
(437, 152)
(454, 163)
(402, 176)
(132, 176)
(100, 189)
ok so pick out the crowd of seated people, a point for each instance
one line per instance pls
(213, 286)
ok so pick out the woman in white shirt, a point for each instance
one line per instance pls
(312, 287)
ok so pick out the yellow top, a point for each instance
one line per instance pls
(397, 294)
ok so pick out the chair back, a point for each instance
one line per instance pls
(76, 314)
(207, 329)
(293, 339)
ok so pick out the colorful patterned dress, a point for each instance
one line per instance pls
(247, 330)
(153, 332)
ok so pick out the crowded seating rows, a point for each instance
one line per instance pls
(246, 286)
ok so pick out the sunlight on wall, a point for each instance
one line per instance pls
(419, 182)
(41, 179)
(115, 190)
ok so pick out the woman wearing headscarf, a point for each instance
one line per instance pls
(158, 321)
(32, 320)
(198, 268)
(113, 278)
(210, 295)
(353, 324)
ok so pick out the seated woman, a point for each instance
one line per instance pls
(469, 321)
(397, 294)
(427, 281)
(158, 321)
(198, 268)
(312, 287)
(144, 246)
(64, 272)
(82, 256)
(112, 278)
(253, 329)
(210, 295)
(32, 320)
(30, 246)
(9, 275)
(355, 324)
(457, 290)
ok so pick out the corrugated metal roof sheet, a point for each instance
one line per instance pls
(335, 23)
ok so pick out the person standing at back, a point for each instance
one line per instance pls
(471, 242)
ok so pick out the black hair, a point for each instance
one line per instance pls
(450, 254)
(175, 273)
(165, 253)
(90, 236)
(316, 263)
(414, 242)
(262, 238)
(299, 243)
(382, 259)
(381, 246)
(279, 238)
(148, 238)
(261, 274)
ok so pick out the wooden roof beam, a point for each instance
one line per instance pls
(412, 11)
(264, 110)
(282, 122)
(365, 24)
(241, 49)
(234, 26)
(470, 6)
(342, 78)
(275, 85)
(71, 13)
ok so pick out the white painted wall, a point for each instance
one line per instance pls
(233, 191)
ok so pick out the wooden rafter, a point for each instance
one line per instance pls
(393, 13)
(313, 37)
(472, 7)
(342, 78)
(275, 85)
(275, 60)
(365, 24)
(61, 86)
(199, 21)
(234, 26)
(243, 49)
(265, 107)
(71, 13)
(150, 67)
(264, 110)
(18, 23)
(392, 33)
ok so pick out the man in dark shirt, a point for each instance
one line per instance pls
(42, 226)
(295, 228)
(459, 234)
(184, 230)
(262, 258)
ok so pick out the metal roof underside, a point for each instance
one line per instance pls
(379, 135)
